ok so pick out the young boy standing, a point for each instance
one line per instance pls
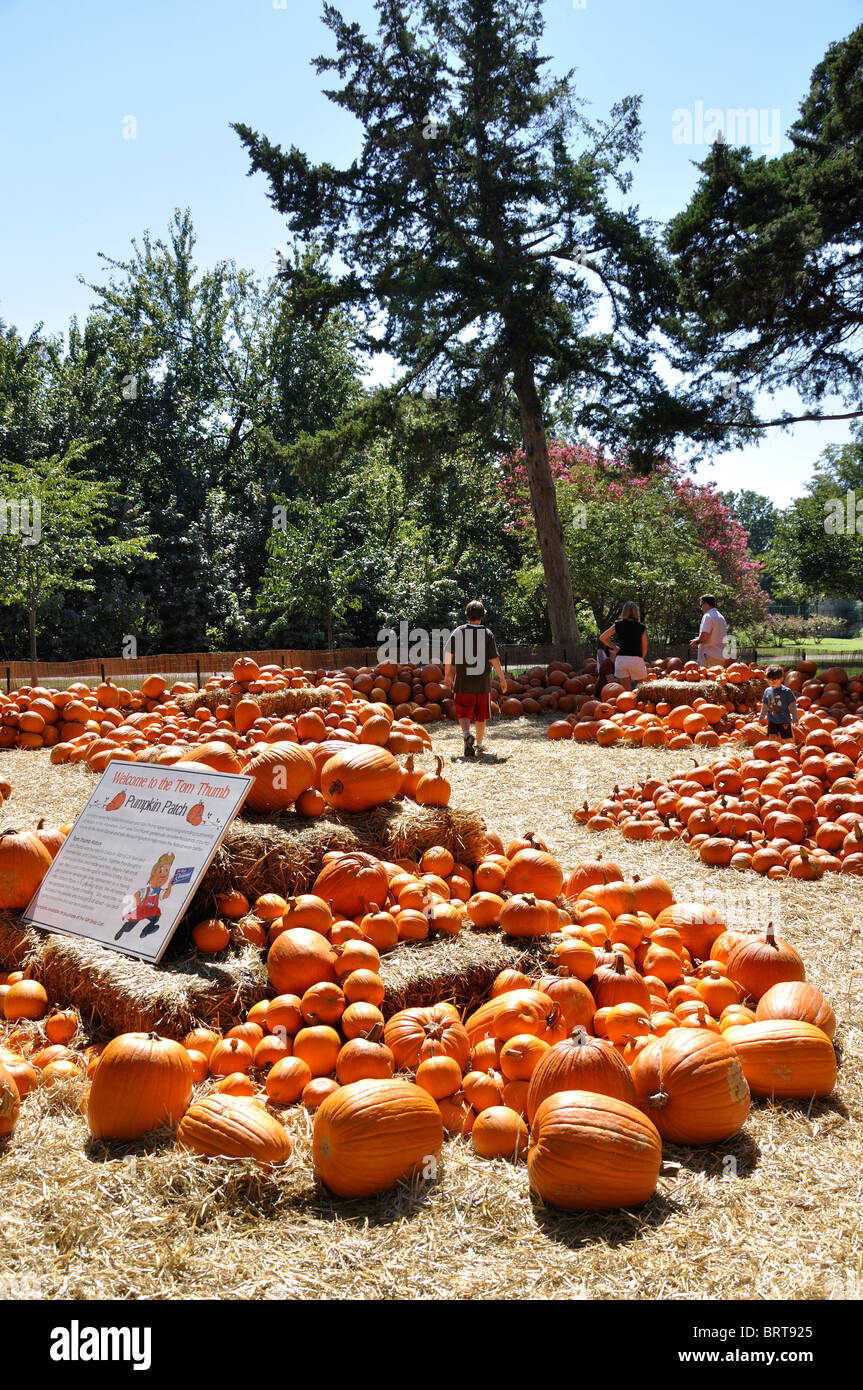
(779, 705)
(469, 659)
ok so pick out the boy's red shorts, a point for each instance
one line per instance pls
(474, 707)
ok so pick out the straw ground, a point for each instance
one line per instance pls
(773, 1213)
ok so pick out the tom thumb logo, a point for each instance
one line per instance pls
(77, 1343)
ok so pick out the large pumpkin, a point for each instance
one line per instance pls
(359, 777)
(579, 1063)
(225, 1126)
(534, 871)
(140, 1082)
(281, 772)
(369, 1135)
(757, 962)
(221, 757)
(797, 1000)
(784, 1058)
(352, 882)
(692, 1086)
(298, 959)
(24, 862)
(592, 1152)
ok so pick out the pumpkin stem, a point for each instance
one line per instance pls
(619, 964)
(658, 1100)
(580, 1036)
(770, 935)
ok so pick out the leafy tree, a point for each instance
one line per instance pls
(769, 255)
(756, 514)
(310, 573)
(661, 540)
(480, 233)
(61, 542)
(817, 550)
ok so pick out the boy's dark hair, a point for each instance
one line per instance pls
(475, 611)
(709, 599)
(773, 671)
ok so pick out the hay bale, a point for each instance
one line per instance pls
(271, 702)
(20, 947)
(459, 969)
(683, 692)
(117, 994)
(259, 855)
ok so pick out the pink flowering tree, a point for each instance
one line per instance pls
(661, 540)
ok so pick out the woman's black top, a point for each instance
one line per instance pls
(627, 635)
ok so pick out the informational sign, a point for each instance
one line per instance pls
(132, 861)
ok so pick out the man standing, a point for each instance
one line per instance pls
(469, 659)
(711, 636)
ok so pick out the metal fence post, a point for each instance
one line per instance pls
(198, 671)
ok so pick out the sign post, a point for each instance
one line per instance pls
(132, 861)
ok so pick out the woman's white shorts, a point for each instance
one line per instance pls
(632, 666)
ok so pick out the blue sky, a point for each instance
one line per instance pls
(74, 184)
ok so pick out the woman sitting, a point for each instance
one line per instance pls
(628, 639)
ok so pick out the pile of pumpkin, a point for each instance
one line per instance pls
(652, 1022)
(787, 809)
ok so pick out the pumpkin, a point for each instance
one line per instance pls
(62, 1025)
(579, 1063)
(784, 1058)
(299, 959)
(359, 777)
(352, 882)
(499, 1132)
(23, 1072)
(364, 1059)
(281, 772)
(526, 915)
(534, 871)
(370, 1135)
(527, 1006)
(618, 982)
(287, 1079)
(317, 1090)
(520, 1055)
(433, 789)
(440, 1076)
(757, 962)
(231, 1055)
(692, 1086)
(319, 1047)
(413, 1035)
(225, 1126)
(592, 1152)
(24, 862)
(793, 999)
(25, 999)
(140, 1082)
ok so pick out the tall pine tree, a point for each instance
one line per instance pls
(482, 238)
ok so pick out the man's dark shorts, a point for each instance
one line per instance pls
(775, 730)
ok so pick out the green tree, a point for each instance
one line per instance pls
(480, 231)
(756, 514)
(61, 541)
(310, 573)
(769, 259)
(817, 551)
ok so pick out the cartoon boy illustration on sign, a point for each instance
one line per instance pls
(144, 905)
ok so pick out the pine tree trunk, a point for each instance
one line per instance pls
(558, 582)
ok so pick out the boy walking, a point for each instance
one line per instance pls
(469, 659)
(779, 705)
